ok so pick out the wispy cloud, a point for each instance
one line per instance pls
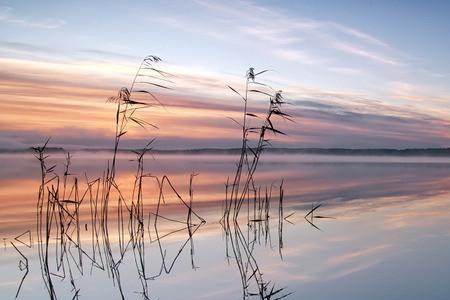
(110, 54)
(298, 56)
(273, 35)
(200, 101)
(377, 57)
(359, 34)
(284, 30)
(8, 15)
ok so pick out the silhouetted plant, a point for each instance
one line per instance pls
(243, 186)
(59, 201)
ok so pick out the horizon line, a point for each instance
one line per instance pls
(444, 151)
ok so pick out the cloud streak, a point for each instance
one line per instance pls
(376, 57)
(249, 20)
(46, 98)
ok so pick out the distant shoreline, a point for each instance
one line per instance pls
(306, 151)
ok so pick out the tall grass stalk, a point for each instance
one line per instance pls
(61, 199)
(243, 189)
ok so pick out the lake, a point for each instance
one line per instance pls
(344, 227)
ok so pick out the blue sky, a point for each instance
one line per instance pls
(374, 69)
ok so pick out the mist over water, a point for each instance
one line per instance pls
(382, 230)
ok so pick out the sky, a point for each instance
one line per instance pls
(355, 74)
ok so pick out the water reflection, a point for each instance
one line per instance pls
(389, 218)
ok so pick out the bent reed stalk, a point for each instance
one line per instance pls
(243, 189)
(60, 201)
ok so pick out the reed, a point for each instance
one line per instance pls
(62, 197)
(310, 216)
(23, 266)
(244, 190)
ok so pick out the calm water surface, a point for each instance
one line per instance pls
(385, 235)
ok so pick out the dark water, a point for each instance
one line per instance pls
(387, 235)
